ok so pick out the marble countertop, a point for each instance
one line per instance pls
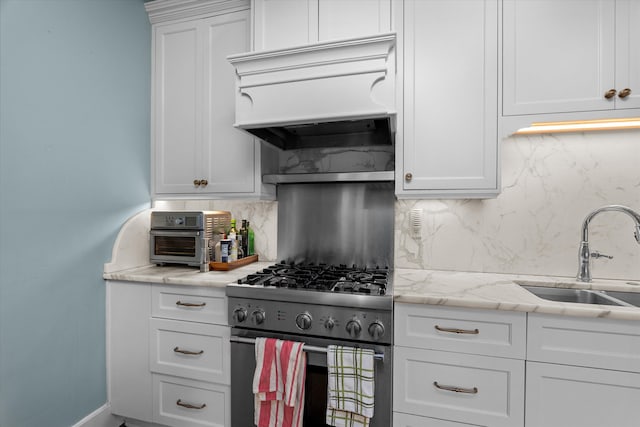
(448, 288)
(502, 292)
(179, 275)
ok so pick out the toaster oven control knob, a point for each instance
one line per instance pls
(329, 323)
(376, 330)
(257, 317)
(354, 328)
(303, 320)
(239, 315)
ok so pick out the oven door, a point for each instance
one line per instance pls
(182, 247)
(243, 365)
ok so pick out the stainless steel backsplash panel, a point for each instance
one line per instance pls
(336, 223)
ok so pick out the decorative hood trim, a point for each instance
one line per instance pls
(342, 82)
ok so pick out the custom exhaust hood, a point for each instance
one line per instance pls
(328, 94)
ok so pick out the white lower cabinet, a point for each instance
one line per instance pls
(192, 350)
(582, 372)
(406, 420)
(490, 368)
(187, 403)
(169, 354)
(563, 396)
(129, 378)
(456, 367)
(459, 387)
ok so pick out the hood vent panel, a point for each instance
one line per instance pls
(348, 133)
(329, 94)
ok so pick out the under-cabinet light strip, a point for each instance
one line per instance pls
(580, 126)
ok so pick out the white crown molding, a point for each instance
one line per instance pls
(171, 10)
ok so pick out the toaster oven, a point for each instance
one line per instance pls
(185, 237)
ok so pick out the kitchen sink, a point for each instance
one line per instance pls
(632, 298)
(582, 296)
(585, 296)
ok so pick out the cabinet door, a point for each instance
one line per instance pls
(628, 52)
(405, 420)
(285, 23)
(560, 395)
(341, 19)
(179, 402)
(229, 153)
(450, 102)
(464, 330)
(192, 350)
(128, 312)
(459, 387)
(176, 107)
(559, 56)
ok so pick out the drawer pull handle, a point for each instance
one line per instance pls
(456, 389)
(190, 406)
(191, 304)
(191, 353)
(458, 331)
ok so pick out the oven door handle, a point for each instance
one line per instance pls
(309, 348)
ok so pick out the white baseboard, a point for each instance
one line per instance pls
(102, 417)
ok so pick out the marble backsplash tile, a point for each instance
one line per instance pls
(353, 159)
(550, 183)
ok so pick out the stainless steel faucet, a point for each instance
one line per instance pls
(585, 254)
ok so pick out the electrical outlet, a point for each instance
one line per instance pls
(415, 223)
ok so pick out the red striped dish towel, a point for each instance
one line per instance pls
(278, 383)
(350, 386)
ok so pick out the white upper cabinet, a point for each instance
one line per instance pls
(287, 23)
(563, 56)
(195, 148)
(447, 134)
(628, 52)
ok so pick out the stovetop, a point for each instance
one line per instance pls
(321, 277)
(318, 284)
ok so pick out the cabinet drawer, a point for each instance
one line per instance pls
(559, 395)
(193, 350)
(406, 420)
(599, 343)
(197, 304)
(179, 402)
(485, 332)
(490, 390)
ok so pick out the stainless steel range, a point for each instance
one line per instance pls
(334, 287)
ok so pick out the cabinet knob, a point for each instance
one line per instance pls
(204, 182)
(408, 176)
(624, 93)
(196, 182)
(610, 93)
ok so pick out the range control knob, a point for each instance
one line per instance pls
(376, 330)
(257, 317)
(329, 323)
(303, 321)
(354, 328)
(239, 315)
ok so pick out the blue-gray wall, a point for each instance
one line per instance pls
(74, 165)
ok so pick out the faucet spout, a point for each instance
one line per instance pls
(584, 253)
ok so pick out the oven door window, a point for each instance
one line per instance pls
(175, 246)
(315, 407)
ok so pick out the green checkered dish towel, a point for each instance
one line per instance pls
(350, 386)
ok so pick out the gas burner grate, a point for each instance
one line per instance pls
(321, 277)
